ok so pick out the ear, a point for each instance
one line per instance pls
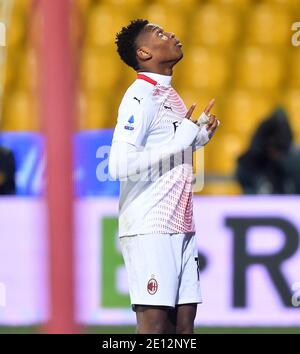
(143, 53)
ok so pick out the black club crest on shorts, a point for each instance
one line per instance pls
(152, 285)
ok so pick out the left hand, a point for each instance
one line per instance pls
(212, 124)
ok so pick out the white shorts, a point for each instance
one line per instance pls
(162, 269)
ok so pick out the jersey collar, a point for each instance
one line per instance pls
(155, 79)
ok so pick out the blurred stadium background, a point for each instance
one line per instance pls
(238, 51)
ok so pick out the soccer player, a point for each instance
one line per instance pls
(156, 228)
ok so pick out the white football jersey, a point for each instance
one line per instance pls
(148, 116)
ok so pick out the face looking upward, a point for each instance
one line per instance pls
(157, 47)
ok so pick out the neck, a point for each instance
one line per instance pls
(158, 69)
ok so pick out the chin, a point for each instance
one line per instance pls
(179, 52)
(179, 57)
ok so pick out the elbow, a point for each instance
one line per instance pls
(113, 170)
(112, 164)
(116, 171)
(117, 164)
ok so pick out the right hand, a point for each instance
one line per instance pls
(186, 133)
(209, 106)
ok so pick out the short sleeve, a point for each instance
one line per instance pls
(133, 124)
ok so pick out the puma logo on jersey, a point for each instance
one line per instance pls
(175, 125)
(139, 100)
(168, 107)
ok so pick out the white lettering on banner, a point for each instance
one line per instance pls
(296, 36)
(296, 294)
(2, 295)
(2, 34)
(23, 261)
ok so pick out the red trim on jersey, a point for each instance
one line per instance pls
(146, 78)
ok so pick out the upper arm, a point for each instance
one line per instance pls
(133, 123)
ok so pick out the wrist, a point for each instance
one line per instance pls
(186, 133)
(202, 120)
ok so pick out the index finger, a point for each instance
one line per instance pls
(209, 106)
(190, 111)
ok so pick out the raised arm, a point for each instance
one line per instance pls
(126, 159)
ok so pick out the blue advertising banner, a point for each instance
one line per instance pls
(91, 151)
(28, 151)
(91, 154)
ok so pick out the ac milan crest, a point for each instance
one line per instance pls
(152, 286)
